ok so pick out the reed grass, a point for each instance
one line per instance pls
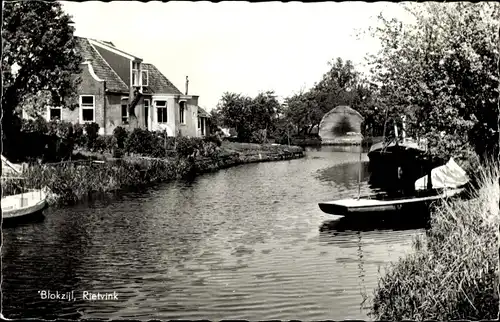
(452, 273)
(73, 182)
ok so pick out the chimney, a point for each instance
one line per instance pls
(187, 84)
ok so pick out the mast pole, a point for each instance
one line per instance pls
(359, 169)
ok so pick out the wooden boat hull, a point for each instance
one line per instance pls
(23, 205)
(381, 203)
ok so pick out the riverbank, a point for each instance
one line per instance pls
(452, 273)
(343, 141)
(71, 182)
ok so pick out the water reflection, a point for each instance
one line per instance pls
(340, 148)
(373, 222)
(241, 243)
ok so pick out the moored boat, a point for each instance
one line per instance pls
(445, 181)
(25, 203)
(384, 202)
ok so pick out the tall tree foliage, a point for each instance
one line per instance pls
(248, 115)
(342, 84)
(303, 111)
(39, 60)
(442, 71)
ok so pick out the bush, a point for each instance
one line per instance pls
(158, 150)
(453, 273)
(49, 141)
(32, 141)
(140, 142)
(186, 147)
(210, 150)
(92, 130)
(259, 136)
(213, 138)
(165, 141)
(38, 125)
(80, 138)
(101, 144)
(117, 152)
(120, 135)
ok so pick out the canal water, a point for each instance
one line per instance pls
(247, 242)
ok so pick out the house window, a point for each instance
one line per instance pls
(55, 113)
(161, 110)
(145, 78)
(199, 122)
(202, 126)
(124, 113)
(182, 112)
(87, 108)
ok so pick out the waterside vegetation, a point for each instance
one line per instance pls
(442, 72)
(74, 163)
(452, 273)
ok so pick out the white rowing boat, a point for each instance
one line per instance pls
(28, 202)
(23, 204)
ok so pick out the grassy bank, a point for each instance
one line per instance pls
(71, 182)
(452, 272)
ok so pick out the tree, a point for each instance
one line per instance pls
(39, 59)
(249, 115)
(340, 85)
(214, 121)
(234, 113)
(264, 111)
(303, 111)
(443, 68)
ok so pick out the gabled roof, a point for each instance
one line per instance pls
(109, 46)
(202, 112)
(157, 82)
(101, 67)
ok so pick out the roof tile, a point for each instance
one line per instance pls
(202, 112)
(158, 83)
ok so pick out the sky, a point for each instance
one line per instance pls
(236, 47)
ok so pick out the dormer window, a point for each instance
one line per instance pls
(139, 80)
(135, 81)
(135, 74)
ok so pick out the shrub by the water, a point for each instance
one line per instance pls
(186, 146)
(92, 130)
(80, 137)
(49, 141)
(259, 136)
(213, 138)
(452, 274)
(140, 141)
(118, 153)
(120, 135)
(104, 143)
